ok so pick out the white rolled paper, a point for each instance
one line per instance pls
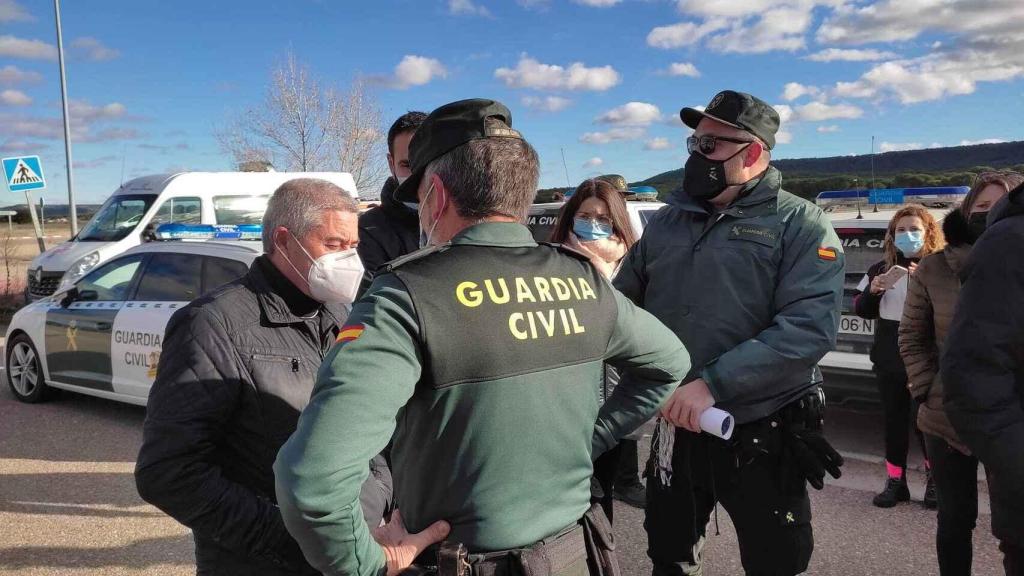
(717, 423)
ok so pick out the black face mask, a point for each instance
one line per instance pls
(976, 224)
(703, 178)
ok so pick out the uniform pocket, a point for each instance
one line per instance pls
(283, 384)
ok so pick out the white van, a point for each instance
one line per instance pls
(129, 217)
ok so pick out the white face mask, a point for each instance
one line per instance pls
(334, 277)
(425, 237)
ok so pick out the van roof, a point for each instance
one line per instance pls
(231, 183)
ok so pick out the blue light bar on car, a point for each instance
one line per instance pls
(209, 232)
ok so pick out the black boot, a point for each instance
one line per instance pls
(931, 499)
(633, 494)
(896, 491)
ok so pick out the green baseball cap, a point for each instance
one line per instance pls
(738, 110)
(447, 128)
(616, 180)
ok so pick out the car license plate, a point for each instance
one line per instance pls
(856, 325)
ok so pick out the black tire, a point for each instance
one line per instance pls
(25, 371)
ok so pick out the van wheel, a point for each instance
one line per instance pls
(25, 371)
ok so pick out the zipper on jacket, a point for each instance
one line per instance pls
(707, 228)
(282, 359)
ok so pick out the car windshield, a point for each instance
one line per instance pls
(116, 219)
(240, 209)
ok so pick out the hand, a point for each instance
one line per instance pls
(603, 266)
(687, 403)
(400, 547)
(912, 268)
(878, 285)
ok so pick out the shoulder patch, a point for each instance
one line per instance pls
(349, 333)
(828, 254)
(413, 256)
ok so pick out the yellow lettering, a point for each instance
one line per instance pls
(576, 328)
(548, 323)
(533, 326)
(468, 295)
(586, 290)
(565, 321)
(561, 288)
(519, 334)
(574, 290)
(523, 291)
(543, 289)
(504, 291)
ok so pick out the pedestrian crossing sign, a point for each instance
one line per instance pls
(23, 173)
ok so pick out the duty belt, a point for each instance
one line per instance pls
(554, 555)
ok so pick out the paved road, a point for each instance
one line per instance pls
(68, 504)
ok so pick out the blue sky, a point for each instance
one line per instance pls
(602, 79)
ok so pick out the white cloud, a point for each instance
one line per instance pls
(683, 33)
(794, 90)
(598, 3)
(593, 162)
(546, 103)
(95, 163)
(82, 111)
(615, 134)
(783, 137)
(467, 8)
(93, 49)
(683, 69)
(657, 144)
(785, 112)
(852, 55)
(416, 71)
(818, 111)
(13, 75)
(725, 9)
(52, 128)
(631, 114)
(828, 129)
(11, 11)
(14, 47)
(983, 141)
(14, 98)
(899, 146)
(529, 73)
(777, 29)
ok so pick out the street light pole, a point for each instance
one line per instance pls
(72, 210)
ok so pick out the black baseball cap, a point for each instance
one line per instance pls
(738, 110)
(447, 128)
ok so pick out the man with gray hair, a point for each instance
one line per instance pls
(481, 356)
(237, 367)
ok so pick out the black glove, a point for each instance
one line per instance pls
(813, 456)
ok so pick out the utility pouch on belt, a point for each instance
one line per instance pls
(452, 559)
(597, 532)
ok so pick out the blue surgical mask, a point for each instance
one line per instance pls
(909, 243)
(587, 229)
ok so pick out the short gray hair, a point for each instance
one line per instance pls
(490, 176)
(299, 205)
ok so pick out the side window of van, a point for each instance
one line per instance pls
(179, 211)
(240, 209)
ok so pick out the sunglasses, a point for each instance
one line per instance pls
(706, 144)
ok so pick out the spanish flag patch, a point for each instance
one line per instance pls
(827, 254)
(349, 333)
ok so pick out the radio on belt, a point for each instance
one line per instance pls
(209, 232)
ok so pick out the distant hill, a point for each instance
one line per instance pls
(52, 211)
(952, 166)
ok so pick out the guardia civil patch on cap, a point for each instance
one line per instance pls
(349, 333)
(827, 254)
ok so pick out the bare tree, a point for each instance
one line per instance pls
(360, 138)
(301, 127)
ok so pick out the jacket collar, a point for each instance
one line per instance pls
(759, 200)
(503, 234)
(272, 306)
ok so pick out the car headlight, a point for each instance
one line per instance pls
(80, 268)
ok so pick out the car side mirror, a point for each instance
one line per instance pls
(86, 295)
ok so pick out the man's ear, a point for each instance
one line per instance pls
(279, 238)
(391, 163)
(754, 152)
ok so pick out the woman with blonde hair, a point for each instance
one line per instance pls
(931, 298)
(912, 234)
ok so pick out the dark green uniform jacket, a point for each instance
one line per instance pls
(754, 292)
(483, 358)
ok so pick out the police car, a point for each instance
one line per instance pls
(102, 336)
